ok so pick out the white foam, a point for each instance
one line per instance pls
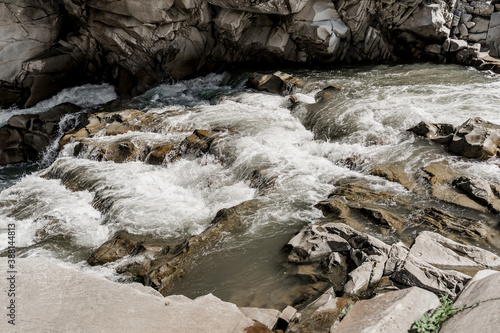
(86, 96)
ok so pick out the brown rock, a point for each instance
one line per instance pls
(396, 173)
(327, 93)
(170, 267)
(440, 177)
(278, 83)
(158, 154)
(119, 246)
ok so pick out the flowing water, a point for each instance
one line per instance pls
(302, 148)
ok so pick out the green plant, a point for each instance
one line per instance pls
(345, 310)
(432, 324)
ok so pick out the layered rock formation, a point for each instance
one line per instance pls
(47, 45)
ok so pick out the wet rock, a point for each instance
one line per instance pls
(396, 172)
(159, 153)
(444, 253)
(392, 312)
(440, 133)
(10, 146)
(481, 300)
(260, 181)
(476, 138)
(118, 247)
(327, 93)
(170, 267)
(450, 225)
(27, 137)
(360, 193)
(440, 177)
(198, 143)
(335, 208)
(22, 121)
(56, 113)
(383, 217)
(404, 268)
(278, 83)
(479, 190)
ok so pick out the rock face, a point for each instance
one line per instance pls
(136, 44)
(118, 307)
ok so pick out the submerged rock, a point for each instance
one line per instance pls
(168, 268)
(118, 247)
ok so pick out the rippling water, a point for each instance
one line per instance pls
(302, 149)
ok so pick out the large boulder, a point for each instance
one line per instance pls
(404, 268)
(476, 138)
(278, 82)
(81, 300)
(480, 301)
(393, 312)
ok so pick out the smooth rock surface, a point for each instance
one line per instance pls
(56, 299)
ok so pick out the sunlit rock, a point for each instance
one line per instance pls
(393, 312)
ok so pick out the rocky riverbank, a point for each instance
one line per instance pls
(431, 242)
(49, 45)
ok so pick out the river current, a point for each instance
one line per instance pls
(304, 150)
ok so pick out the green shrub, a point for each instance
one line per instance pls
(432, 324)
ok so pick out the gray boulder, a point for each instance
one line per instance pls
(393, 312)
(476, 138)
(481, 300)
(406, 269)
(444, 253)
(428, 21)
